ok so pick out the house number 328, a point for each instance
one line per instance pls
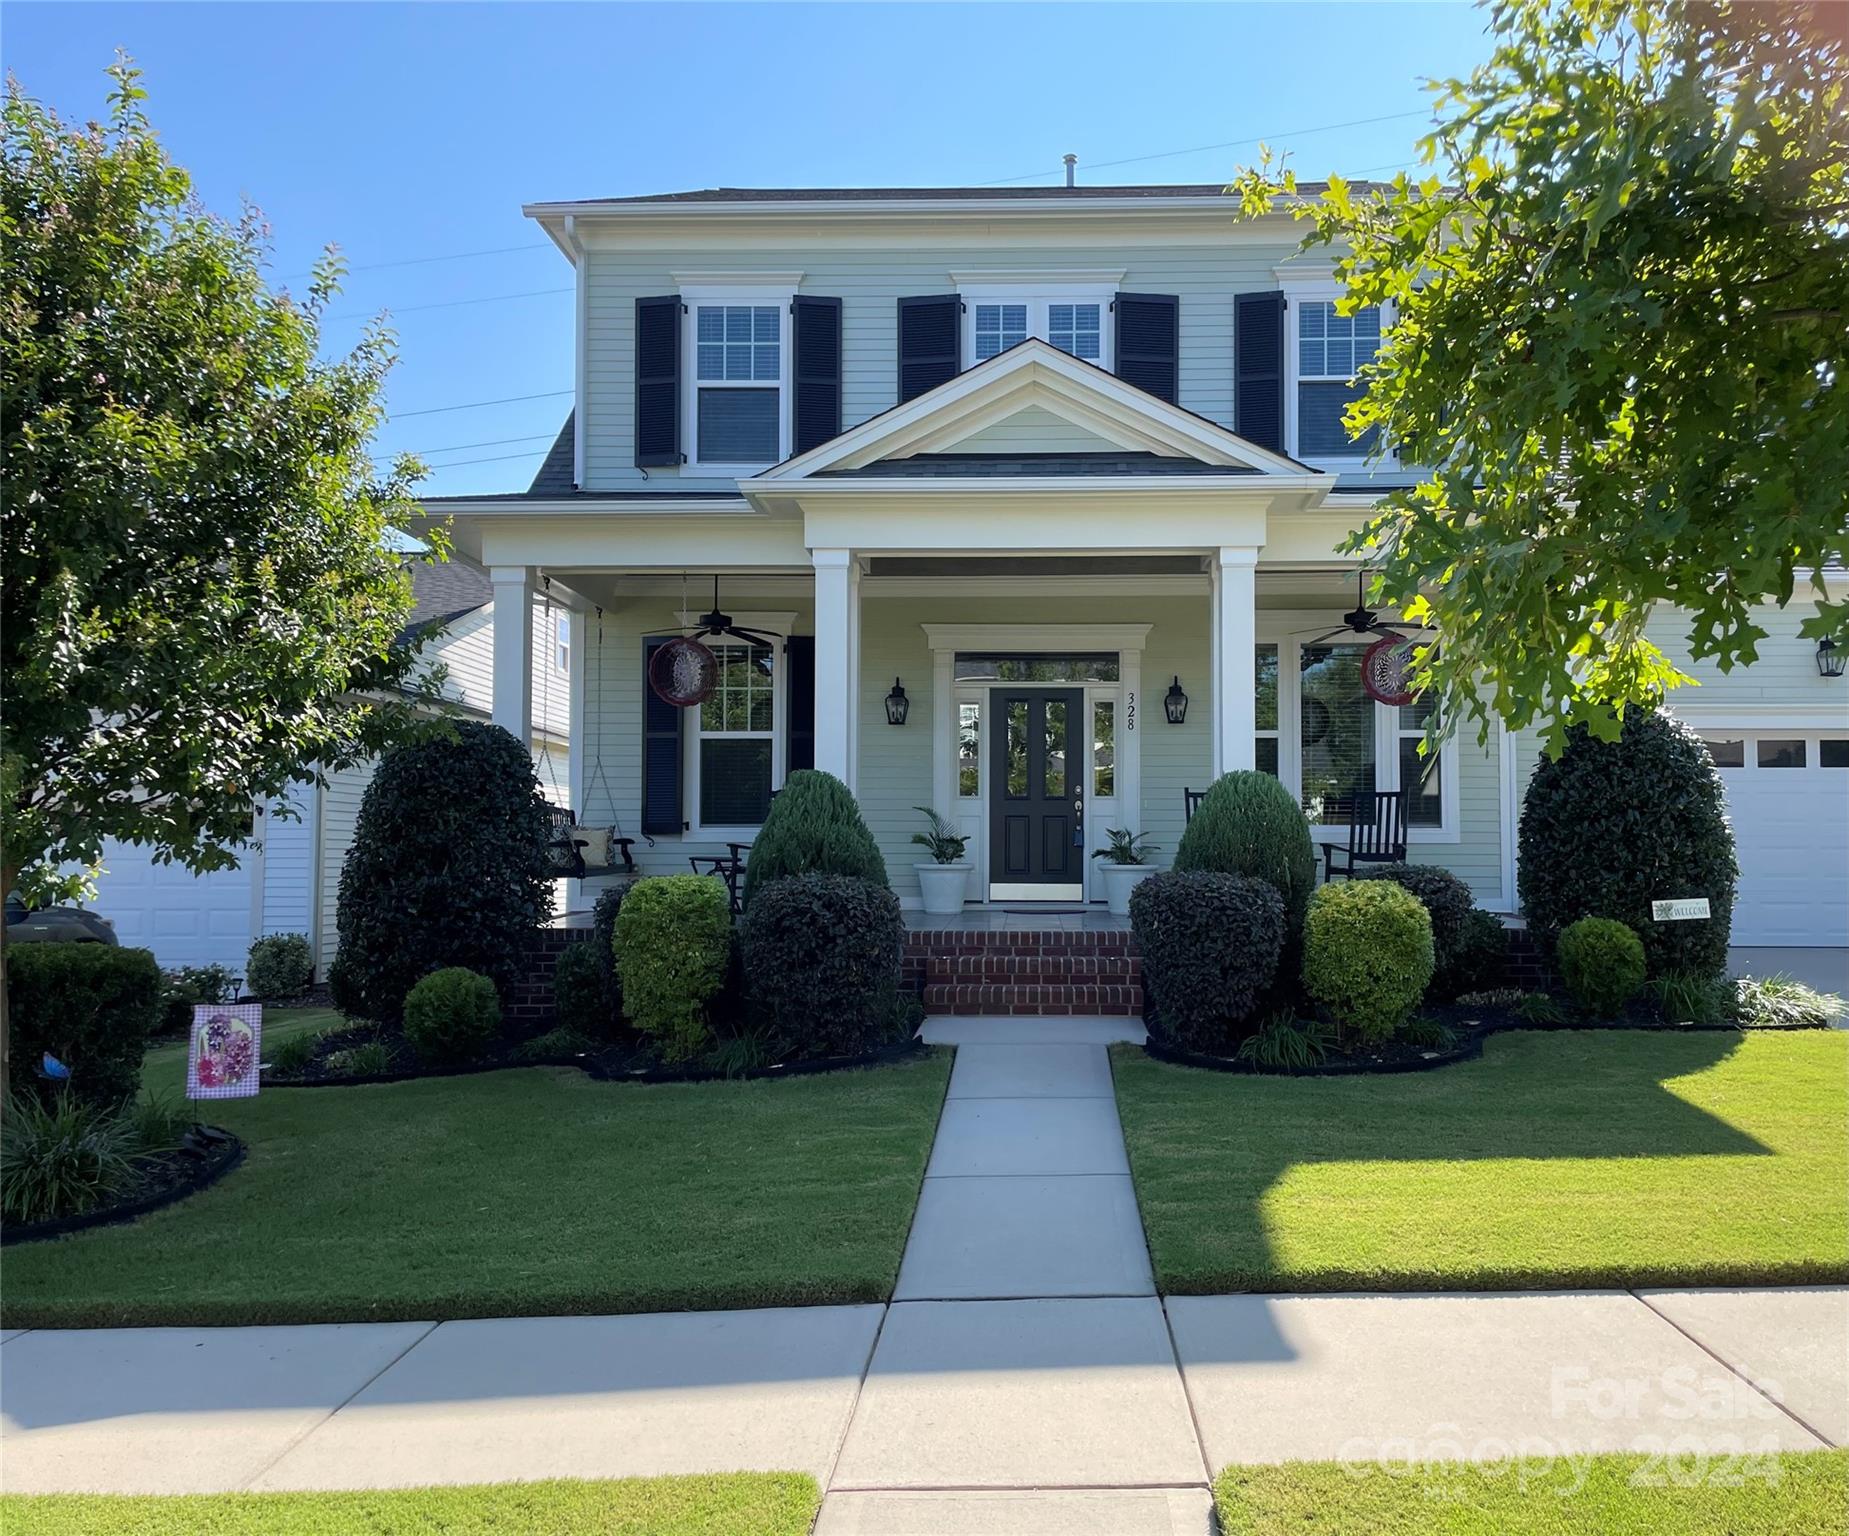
(1130, 711)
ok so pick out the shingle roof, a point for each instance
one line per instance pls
(445, 590)
(938, 194)
(555, 474)
(1003, 466)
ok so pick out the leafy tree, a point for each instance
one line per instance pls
(201, 602)
(1618, 340)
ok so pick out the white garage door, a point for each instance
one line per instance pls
(1788, 796)
(186, 919)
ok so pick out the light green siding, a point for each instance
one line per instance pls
(1033, 430)
(869, 281)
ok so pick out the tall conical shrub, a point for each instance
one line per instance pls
(1250, 824)
(814, 828)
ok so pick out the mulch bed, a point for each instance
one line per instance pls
(1471, 1025)
(619, 1062)
(165, 1180)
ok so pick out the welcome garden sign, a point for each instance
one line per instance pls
(224, 1051)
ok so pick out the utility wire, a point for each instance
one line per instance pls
(470, 405)
(418, 261)
(492, 442)
(406, 309)
(1260, 138)
(496, 458)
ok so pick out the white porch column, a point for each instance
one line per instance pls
(579, 723)
(834, 680)
(854, 701)
(513, 650)
(944, 733)
(1235, 639)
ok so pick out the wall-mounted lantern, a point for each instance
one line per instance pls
(1175, 704)
(897, 705)
(1830, 658)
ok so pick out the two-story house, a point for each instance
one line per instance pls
(1037, 495)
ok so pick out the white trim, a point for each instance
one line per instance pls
(1036, 637)
(581, 373)
(1106, 279)
(1749, 718)
(706, 284)
(1033, 373)
(766, 295)
(834, 743)
(577, 692)
(1509, 805)
(1038, 299)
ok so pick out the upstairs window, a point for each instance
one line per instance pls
(738, 384)
(1076, 323)
(1331, 349)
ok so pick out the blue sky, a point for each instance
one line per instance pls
(403, 132)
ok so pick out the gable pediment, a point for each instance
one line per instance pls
(1034, 402)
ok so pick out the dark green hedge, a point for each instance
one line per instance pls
(1448, 901)
(452, 1015)
(1610, 826)
(448, 867)
(821, 956)
(1210, 944)
(814, 828)
(92, 1006)
(1250, 824)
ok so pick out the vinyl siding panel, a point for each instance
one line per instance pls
(1034, 430)
(869, 280)
(340, 809)
(289, 865)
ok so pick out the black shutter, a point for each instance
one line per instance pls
(658, 382)
(799, 657)
(1149, 343)
(930, 343)
(816, 407)
(1258, 368)
(661, 754)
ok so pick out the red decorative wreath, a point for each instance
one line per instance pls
(683, 672)
(1386, 670)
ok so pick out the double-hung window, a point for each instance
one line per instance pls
(736, 396)
(1075, 319)
(737, 737)
(1331, 349)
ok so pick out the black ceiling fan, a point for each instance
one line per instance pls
(1362, 620)
(713, 624)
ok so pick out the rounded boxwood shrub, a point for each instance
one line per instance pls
(1610, 826)
(279, 965)
(1250, 824)
(1602, 963)
(579, 993)
(1210, 944)
(92, 1006)
(814, 828)
(452, 1015)
(1367, 955)
(1448, 902)
(821, 957)
(1479, 960)
(673, 948)
(448, 867)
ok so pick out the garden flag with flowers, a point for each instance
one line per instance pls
(221, 1060)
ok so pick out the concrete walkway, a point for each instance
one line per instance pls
(1024, 1380)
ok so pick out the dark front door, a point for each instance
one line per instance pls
(1037, 795)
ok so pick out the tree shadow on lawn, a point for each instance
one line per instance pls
(1215, 1154)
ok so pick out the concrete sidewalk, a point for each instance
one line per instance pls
(1025, 1379)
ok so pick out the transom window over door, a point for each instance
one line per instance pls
(1331, 349)
(738, 379)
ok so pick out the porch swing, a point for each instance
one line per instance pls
(578, 852)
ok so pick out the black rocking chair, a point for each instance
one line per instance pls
(1190, 802)
(568, 851)
(1376, 834)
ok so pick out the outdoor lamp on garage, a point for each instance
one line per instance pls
(897, 705)
(1175, 704)
(1830, 658)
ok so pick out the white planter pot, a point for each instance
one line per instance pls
(1118, 881)
(943, 887)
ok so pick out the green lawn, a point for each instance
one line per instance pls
(1560, 1159)
(1783, 1495)
(738, 1504)
(529, 1191)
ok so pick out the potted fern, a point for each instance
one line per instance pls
(1126, 861)
(945, 880)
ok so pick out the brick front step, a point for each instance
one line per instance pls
(1025, 971)
(1066, 998)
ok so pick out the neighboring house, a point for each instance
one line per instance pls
(1040, 458)
(289, 881)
